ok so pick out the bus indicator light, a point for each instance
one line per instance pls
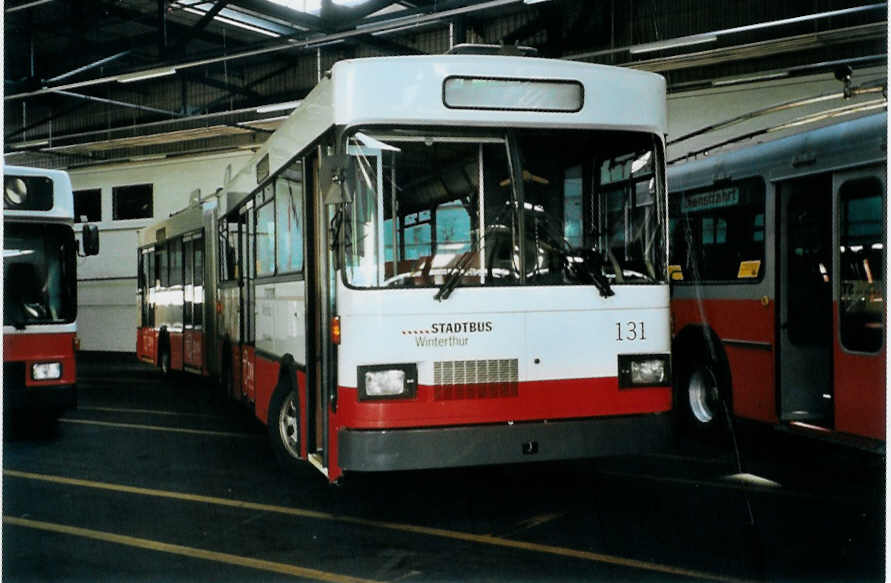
(335, 330)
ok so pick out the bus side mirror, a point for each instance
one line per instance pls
(333, 179)
(90, 237)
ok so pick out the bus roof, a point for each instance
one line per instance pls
(63, 199)
(185, 221)
(409, 90)
(846, 144)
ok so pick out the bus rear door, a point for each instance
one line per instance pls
(859, 315)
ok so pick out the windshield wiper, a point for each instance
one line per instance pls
(590, 270)
(460, 268)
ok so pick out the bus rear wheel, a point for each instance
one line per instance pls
(283, 425)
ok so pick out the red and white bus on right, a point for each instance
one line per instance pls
(778, 293)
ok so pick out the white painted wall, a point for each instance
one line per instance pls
(107, 283)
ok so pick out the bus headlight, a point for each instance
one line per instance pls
(644, 370)
(387, 381)
(46, 371)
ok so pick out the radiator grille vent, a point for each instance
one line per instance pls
(475, 379)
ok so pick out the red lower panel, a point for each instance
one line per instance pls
(563, 399)
(266, 377)
(235, 361)
(247, 373)
(860, 385)
(31, 348)
(193, 349)
(751, 369)
(146, 344)
(176, 350)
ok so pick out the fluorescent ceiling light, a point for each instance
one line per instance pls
(753, 78)
(279, 106)
(406, 27)
(236, 23)
(148, 157)
(533, 1)
(149, 74)
(31, 144)
(673, 43)
(313, 6)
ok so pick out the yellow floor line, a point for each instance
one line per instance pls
(184, 551)
(395, 526)
(160, 428)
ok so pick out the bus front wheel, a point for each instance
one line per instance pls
(702, 399)
(283, 425)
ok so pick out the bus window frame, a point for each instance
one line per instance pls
(881, 192)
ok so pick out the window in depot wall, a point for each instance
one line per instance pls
(88, 205)
(132, 202)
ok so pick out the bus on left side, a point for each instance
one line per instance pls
(40, 292)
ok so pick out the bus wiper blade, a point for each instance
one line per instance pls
(463, 264)
(454, 276)
(590, 270)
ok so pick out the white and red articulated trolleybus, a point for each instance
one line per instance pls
(40, 291)
(435, 261)
(778, 258)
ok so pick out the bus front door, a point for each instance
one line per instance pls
(804, 257)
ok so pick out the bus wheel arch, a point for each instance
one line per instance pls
(283, 418)
(702, 383)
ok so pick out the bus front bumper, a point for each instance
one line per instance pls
(18, 396)
(447, 447)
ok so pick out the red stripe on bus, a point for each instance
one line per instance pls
(554, 399)
(31, 348)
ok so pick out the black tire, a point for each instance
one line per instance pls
(164, 361)
(702, 399)
(283, 425)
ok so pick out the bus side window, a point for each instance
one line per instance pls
(176, 261)
(861, 265)
(265, 247)
(713, 231)
(163, 273)
(289, 225)
(187, 283)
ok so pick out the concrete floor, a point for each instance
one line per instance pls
(156, 480)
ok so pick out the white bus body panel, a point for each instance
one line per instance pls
(280, 315)
(409, 90)
(569, 330)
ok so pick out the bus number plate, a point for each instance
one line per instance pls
(630, 331)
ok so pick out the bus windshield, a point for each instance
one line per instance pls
(522, 207)
(38, 274)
